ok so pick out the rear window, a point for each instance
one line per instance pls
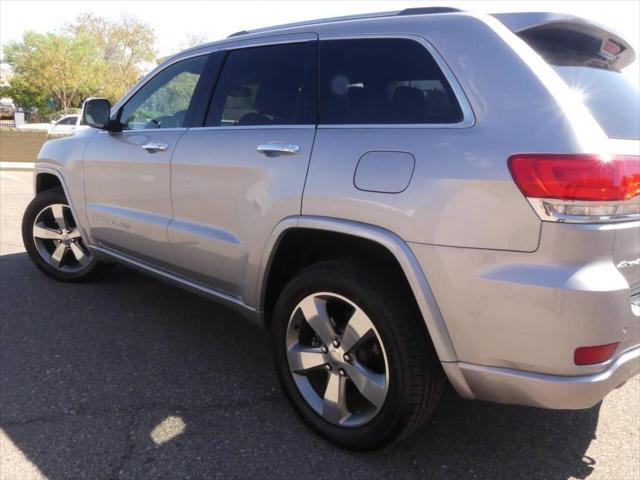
(383, 81)
(612, 98)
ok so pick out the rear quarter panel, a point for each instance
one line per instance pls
(461, 193)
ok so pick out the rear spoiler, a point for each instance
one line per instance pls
(569, 40)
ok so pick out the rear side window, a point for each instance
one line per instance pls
(270, 85)
(383, 81)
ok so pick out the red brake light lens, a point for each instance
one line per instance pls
(576, 177)
(611, 48)
(594, 355)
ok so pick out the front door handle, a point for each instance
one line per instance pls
(275, 149)
(155, 147)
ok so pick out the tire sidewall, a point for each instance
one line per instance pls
(393, 414)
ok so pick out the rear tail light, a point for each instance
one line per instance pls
(579, 188)
(595, 354)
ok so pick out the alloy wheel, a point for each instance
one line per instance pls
(58, 239)
(337, 359)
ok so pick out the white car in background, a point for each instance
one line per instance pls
(66, 124)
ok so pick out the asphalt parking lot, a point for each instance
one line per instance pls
(130, 378)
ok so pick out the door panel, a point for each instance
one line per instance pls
(127, 174)
(236, 178)
(127, 190)
(227, 198)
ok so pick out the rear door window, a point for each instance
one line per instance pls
(266, 85)
(383, 81)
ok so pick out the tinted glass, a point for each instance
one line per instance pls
(383, 81)
(269, 85)
(164, 100)
(612, 98)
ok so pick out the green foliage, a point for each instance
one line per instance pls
(124, 48)
(47, 66)
(93, 57)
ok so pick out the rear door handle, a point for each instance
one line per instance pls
(275, 149)
(155, 147)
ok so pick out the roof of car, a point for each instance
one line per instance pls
(516, 22)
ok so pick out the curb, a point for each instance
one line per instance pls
(17, 166)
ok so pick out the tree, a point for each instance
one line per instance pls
(125, 47)
(194, 40)
(52, 66)
(92, 57)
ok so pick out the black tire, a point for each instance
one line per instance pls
(37, 205)
(415, 377)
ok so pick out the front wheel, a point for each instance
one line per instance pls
(53, 240)
(353, 356)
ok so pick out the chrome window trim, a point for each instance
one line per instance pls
(468, 117)
(256, 127)
(147, 130)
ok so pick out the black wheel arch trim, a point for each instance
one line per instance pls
(397, 247)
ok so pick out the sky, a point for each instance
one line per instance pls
(175, 22)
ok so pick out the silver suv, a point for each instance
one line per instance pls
(403, 199)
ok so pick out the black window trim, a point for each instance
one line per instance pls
(204, 89)
(468, 117)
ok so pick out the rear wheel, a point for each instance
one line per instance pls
(53, 240)
(352, 355)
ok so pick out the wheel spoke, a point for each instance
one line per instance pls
(75, 233)
(58, 214)
(315, 313)
(372, 385)
(56, 256)
(303, 359)
(40, 231)
(357, 330)
(79, 254)
(334, 403)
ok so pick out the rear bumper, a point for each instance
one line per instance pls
(529, 312)
(504, 385)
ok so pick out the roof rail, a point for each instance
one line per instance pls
(405, 12)
(428, 10)
(241, 32)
